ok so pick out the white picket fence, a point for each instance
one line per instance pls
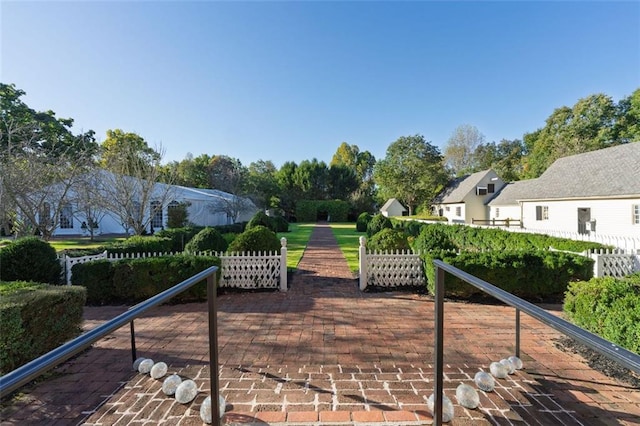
(614, 263)
(252, 270)
(622, 242)
(395, 269)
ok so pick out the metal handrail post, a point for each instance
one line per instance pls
(439, 345)
(518, 332)
(133, 342)
(213, 348)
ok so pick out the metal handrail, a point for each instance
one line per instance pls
(612, 351)
(28, 372)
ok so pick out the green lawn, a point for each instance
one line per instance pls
(348, 240)
(73, 243)
(297, 239)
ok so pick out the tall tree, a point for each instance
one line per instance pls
(40, 159)
(505, 158)
(412, 171)
(229, 175)
(460, 149)
(262, 184)
(362, 163)
(587, 126)
(191, 171)
(627, 126)
(132, 188)
(290, 193)
(311, 177)
(341, 182)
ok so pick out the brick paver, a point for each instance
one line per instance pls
(325, 353)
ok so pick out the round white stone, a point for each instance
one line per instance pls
(145, 366)
(186, 391)
(205, 408)
(517, 362)
(498, 370)
(485, 381)
(447, 407)
(467, 396)
(137, 362)
(507, 363)
(158, 370)
(170, 384)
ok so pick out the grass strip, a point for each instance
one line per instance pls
(348, 240)
(297, 239)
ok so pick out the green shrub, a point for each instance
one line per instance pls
(609, 307)
(97, 278)
(35, 319)
(308, 210)
(261, 219)
(209, 239)
(363, 221)
(235, 228)
(179, 236)
(535, 275)
(388, 240)
(258, 239)
(178, 215)
(280, 223)
(30, 259)
(141, 244)
(433, 237)
(133, 280)
(377, 224)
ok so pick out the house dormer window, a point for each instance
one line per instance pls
(491, 188)
(481, 190)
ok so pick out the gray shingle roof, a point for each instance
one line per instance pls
(460, 187)
(512, 192)
(608, 172)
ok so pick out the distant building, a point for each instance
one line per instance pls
(393, 207)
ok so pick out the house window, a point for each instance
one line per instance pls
(491, 188)
(458, 211)
(156, 211)
(636, 214)
(447, 208)
(542, 212)
(66, 217)
(497, 212)
(481, 190)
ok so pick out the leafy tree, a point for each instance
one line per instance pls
(627, 126)
(40, 160)
(362, 162)
(311, 177)
(591, 124)
(131, 188)
(505, 158)
(341, 182)
(229, 175)
(262, 184)
(191, 172)
(461, 147)
(290, 193)
(412, 171)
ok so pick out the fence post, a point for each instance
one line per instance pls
(598, 265)
(439, 346)
(363, 263)
(213, 348)
(283, 264)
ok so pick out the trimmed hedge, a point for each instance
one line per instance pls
(134, 280)
(30, 259)
(534, 275)
(608, 307)
(377, 223)
(308, 210)
(467, 238)
(209, 239)
(35, 319)
(363, 221)
(388, 240)
(258, 239)
(141, 244)
(179, 236)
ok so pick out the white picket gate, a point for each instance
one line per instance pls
(395, 269)
(240, 270)
(614, 263)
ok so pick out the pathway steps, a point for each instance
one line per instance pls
(325, 353)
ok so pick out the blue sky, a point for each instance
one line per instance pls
(288, 81)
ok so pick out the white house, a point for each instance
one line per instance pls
(465, 199)
(593, 192)
(205, 207)
(393, 207)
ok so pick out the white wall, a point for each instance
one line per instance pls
(506, 212)
(613, 217)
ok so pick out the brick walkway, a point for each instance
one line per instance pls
(325, 353)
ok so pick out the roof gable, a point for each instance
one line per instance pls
(391, 202)
(458, 189)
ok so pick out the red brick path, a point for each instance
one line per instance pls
(326, 353)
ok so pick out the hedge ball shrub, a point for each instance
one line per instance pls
(377, 224)
(362, 222)
(30, 259)
(209, 239)
(256, 239)
(261, 219)
(388, 240)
